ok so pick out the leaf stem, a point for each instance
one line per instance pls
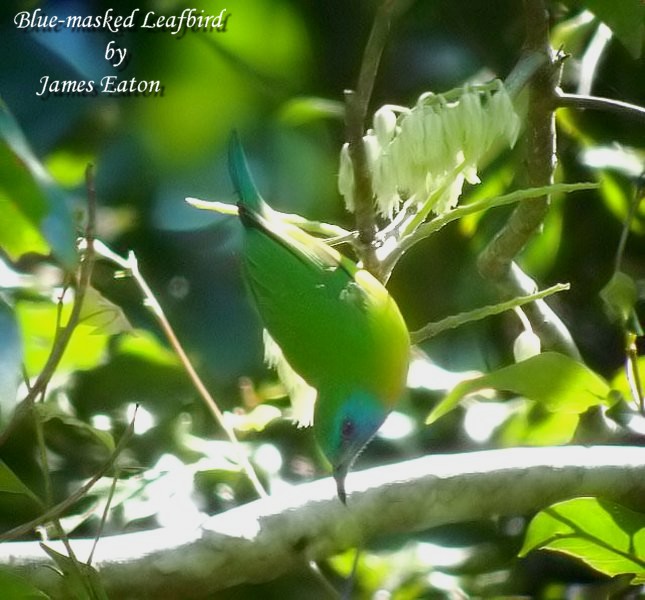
(132, 266)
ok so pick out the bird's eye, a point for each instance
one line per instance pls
(347, 429)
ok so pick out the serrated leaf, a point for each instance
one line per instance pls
(11, 352)
(558, 382)
(26, 186)
(605, 535)
(10, 483)
(15, 587)
(48, 411)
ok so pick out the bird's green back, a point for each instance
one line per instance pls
(337, 326)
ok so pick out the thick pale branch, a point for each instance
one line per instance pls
(269, 537)
(497, 261)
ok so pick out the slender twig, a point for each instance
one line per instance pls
(357, 103)
(42, 451)
(326, 230)
(625, 109)
(131, 265)
(64, 335)
(106, 510)
(426, 229)
(61, 340)
(453, 321)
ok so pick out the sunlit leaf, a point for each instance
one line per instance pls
(10, 360)
(572, 35)
(66, 168)
(27, 187)
(617, 195)
(254, 420)
(625, 18)
(18, 236)
(556, 381)
(495, 184)
(145, 345)
(15, 587)
(298, 111)
(541, 254)
(38, 324)
(103, 316)
(626, 160)
(607, 536)
(621, 382)
(532, 425)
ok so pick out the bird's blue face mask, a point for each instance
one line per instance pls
(345, 434)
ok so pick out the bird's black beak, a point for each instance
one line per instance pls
(340, 473)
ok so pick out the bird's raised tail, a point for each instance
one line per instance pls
(249, 198)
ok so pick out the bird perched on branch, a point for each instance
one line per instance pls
(336, 325)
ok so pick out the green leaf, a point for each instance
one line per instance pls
(10, 483)
(299, 111)
(15, 587)
(36, 204)
(10, 360)
(558, 382)
(626, 18)
(621, 380)
(619, 296)
(607, 536)
(144, 345)
(38, 324)
(532, 425)
(103, 316)
(48, 411)
(18, 236)
(616, 193)
(82, 581)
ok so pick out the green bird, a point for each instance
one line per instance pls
(336, 324)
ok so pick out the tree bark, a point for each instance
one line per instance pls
(267, 538)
